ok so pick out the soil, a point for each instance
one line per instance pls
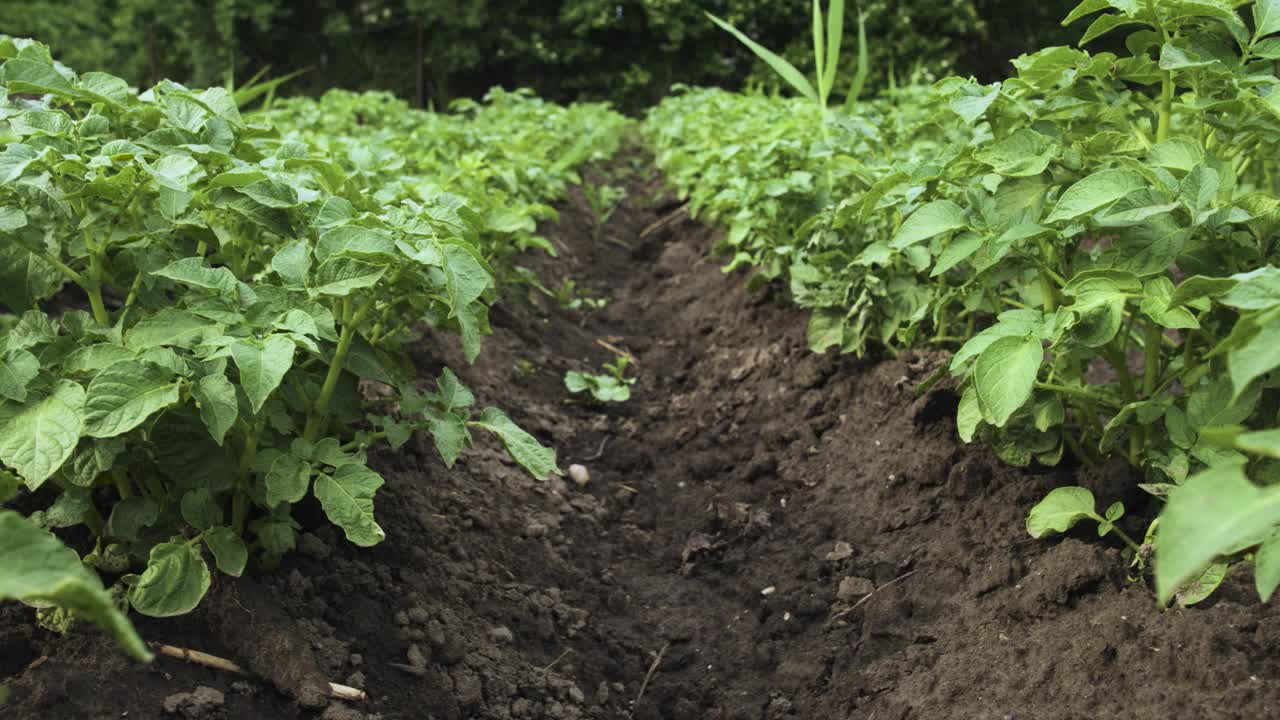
(765, 533)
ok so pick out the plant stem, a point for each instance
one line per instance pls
(1072, 391)
(1166, 107)
(240, 501)
(122, 484)
(1151, 347)
(94, 288)
(1127, 540)
(320, 412)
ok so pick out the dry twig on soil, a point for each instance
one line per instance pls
(653, 668)
(868, 596)
(340, 692)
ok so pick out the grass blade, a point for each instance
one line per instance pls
(864, 65)
(819, 51)
(835, 37)
(785, 69)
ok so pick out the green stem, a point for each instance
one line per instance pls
(1073, 392)
(320, 412)
(123, 486)
(1076, 448)
(1166, 107)
(240, 501)
(365, 441)
(1125, 537)
(94, 288)
(1151, 348)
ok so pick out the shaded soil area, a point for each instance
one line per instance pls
(764, 534)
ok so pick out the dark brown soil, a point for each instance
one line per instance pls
(765, 534)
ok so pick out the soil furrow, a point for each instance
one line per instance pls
(765, 533)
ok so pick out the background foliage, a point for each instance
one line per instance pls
(626, 51)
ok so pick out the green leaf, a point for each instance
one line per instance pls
(95, 357)
(271, 193)
(1262, 442)
(354, 241)
(130, 516)
(1060, 510)
(229, 551)
(262, 364)
(1201, 587)
(193, 272)
(216, 398)
(452, 394)
(1257, 290)
(175, 581)
(1105, 24)
(465, 278)
(14, 161)
(9, 484)
(1005, 376)
(1022, 154)
(292, 263)
(1098, 190)
(17, 370)
(449, 434)
(122, 396)
(524, 448)
(932, 219)
(35, 567)
(785, 70)
(1266, 17)
(38, 438)
(1259, 355)
(341, 276)
(288, 480)
(347, 499)
(1266, 573)
(1212, 513)
(168, 327)
(971, 106)
(969, 415)
(957, 251)
(200, 509)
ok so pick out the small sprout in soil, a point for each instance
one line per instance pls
(1064, 507)
(614, 386)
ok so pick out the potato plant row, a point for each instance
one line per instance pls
(196, 301)
(1095, 238)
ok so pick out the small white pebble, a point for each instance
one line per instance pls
(893, 477)
(769, 590)
(786, 616)
(580, 475)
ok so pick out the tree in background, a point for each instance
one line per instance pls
(627, 51)
(144, 40)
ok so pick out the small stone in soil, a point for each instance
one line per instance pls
(356, 680)
(842, 551)
(203, 702)
(576, 694)
(416, 657)
(419, 616)
(356, 659)
(579, 474)
(502, 635)
(402, 618)
(854, 588)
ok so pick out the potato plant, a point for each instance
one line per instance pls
(198, 298)
(1095, 237)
